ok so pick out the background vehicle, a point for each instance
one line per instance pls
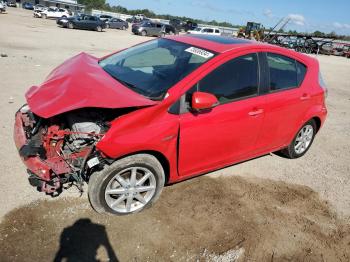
(39, 7)
(83, 21)
(2, 7)
(168, 30)
(54, 12)
(180, 25)
(205, 31)
(148, 28)
(28, 6)
(11, 4)
(140, 17)
(37, 13)
(117, 23)
(139, 118)
(105, 17)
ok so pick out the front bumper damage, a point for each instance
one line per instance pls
(41, 172)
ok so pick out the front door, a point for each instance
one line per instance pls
(228, 132)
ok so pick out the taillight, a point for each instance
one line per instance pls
(322, 84)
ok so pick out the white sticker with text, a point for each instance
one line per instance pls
(200, 52)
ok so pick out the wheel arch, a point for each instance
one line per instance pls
(163, 160)
(317, 122)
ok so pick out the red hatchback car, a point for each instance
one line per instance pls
(164, 111)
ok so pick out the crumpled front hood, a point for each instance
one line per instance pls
(77, 83)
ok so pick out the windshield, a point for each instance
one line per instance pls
(150, 69)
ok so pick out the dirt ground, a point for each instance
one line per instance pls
(266, 209)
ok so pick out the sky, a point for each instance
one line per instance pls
(306, 15)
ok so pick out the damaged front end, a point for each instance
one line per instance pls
(60, 150)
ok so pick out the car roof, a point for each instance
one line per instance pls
(219, 44)
(223, 44)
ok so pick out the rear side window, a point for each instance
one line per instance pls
(283, 72)
(235, 79)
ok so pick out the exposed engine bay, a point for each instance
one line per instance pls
(63, 146)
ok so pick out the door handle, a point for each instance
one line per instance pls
(256, 112)
(305, 97)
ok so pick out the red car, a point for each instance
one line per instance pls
(164, 111)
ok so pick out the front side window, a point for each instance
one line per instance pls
(153, 67)
(233, 80)
(208, 30)
(283, 72)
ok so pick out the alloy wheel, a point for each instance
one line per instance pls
(130, 189)
(303, 139)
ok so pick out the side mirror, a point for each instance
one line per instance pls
(202, 101)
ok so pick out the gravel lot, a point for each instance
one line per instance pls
(268, 207)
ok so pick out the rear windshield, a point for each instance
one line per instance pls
(153, 67)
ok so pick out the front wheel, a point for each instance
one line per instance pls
(127, 186)
(144, 33)
(302, 141)
(124, 27)
(99, 28)
(70, 25)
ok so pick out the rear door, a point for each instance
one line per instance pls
(228, 132)
(119, 23)
(113, 23)
(287, 100)
(92, 23)
(84, 22)
(158, 29)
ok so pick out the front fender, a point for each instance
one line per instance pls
(122, 140)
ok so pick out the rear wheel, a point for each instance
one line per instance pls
(302, 141)
(70, 25)
(44, 16)
(144, 33)
(127, 186)
(124, 27)
(99, 28)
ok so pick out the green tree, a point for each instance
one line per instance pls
(319, 34)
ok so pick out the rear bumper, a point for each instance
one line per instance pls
(36, 165)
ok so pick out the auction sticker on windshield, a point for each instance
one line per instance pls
(200, 52)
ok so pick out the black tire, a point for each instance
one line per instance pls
(290, 151)
(107, 26)
(123, 27)
(98, 28)
(99, 181)
(70, 25)
(144, 33)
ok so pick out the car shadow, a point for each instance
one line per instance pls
(81, 242)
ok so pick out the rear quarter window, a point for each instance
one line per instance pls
(301, 72)
(285, 72)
